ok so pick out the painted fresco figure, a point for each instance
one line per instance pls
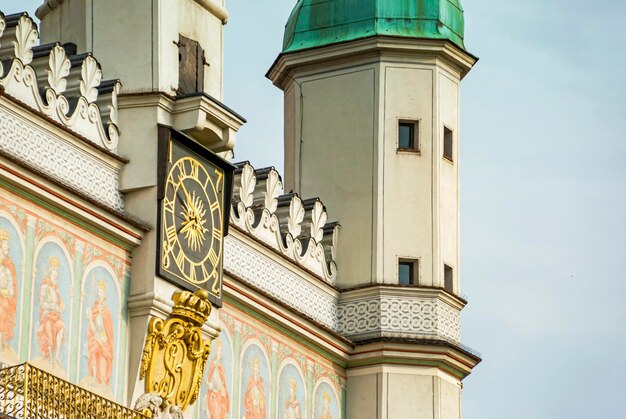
(100, 339)
(326, 406)
(254, 397)
(51, 332)
(217, 400)
(8, 291)
(292, 405)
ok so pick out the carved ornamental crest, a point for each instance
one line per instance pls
(175, 353)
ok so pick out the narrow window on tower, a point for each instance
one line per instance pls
(408, 135)
(448, 278)
(447, 143)
(408, 272)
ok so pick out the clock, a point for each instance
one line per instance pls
(194, 193)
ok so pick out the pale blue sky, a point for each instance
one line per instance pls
(543, 194)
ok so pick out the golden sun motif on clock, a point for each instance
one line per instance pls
(193, 225)
(192, 230)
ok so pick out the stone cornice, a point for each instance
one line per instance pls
(216, 8)
(212, 6)
(112, 226)
(372, 49)
(200, 116)
(447, 357)
(403, 291)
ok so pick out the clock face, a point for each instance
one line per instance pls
(192, 214)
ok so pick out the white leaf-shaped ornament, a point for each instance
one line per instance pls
(333, 248)
(3, 25)
(25, 38)
(59, 69)
(113, 106)
(248, 183)
(296, 215)
(318, 221)
(273, 188)
(90, 77)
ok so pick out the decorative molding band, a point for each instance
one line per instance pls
(295, 228)
(381, 316)
(277, 281)
(59, 159)
(66, 88)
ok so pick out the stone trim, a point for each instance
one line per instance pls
(58, 159)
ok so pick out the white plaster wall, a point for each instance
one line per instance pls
(450, 396)
(134, 40)
(292, 132)
(53, 30)
(448, 110)
(407, 203)
(409, 396)
(195, 22)
(138, 143)
(362, 397)
(348, 156)
(337, 161)
(406, 393)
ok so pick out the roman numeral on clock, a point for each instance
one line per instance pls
(213, 257)
(180, 260)
(171, 233)
(168, 206)
(195, 169)
(205, 273)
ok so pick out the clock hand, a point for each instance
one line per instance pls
(187, 226)
(182, 183)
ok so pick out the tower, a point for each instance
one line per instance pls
(371, 103)
(169, 56)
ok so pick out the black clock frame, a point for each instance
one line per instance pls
(165, 134)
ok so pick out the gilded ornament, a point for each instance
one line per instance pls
(175, 353)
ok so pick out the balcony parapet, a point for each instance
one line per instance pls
(29, 392)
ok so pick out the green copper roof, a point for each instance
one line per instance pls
(315, 23)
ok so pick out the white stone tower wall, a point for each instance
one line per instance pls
(341, 130)
(335, 157)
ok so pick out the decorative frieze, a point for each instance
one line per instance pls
(372, 313)
(271, 277)
(53, 156)
(297, 229)
(66, 88)
(391, 316)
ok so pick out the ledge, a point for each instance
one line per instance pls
(376, 47)
(207, 120)
(446, 356)
(211, 5)
(214, 7)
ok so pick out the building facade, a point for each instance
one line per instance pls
(338, 299)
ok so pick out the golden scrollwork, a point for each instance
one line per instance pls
(174, 354)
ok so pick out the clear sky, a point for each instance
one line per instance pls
(543, 183)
